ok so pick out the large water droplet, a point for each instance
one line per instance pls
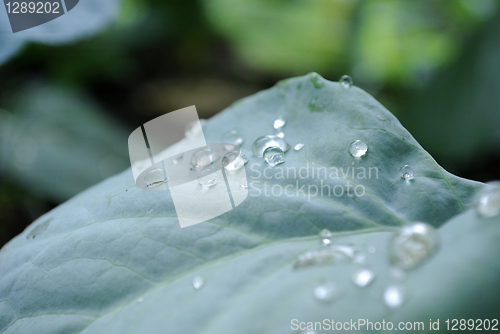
(393, 296)
(332, 254)
(358, 149)
(244, 183)
(316, 79)
(363, 277)
(279, 123)
(413, 244)
(262, 143)
(487, 202)
(194, 129)
(233, 137)
(274, 156)
(233, 161)
(280, 135)
(198, 282)
(298, 147)
(406, 172)
(346, 81)
(326, 292)
(203, 157)
(207, 178)
(326, 237)
(154, 178)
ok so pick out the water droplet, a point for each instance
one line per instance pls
(198, 282)
(245, 158)
(382, 118)
(194, 129)
(233, 137)
(140, 300)
(358, 149)
(406, 172)
(274, 156)
(298, 147)
(393, 296)
(39, 229)
(326, 237)
(154, 178)
(233, 161)
(316, 79)
(487, 202)
(262, 143)
(326, 255)
(326, 292)
(346, 81)
(397, 274)
(279, 123)
(207, 178)
(280, 135)
(413, 244)
(177, 159)
(244, 183)
(363, 277)
(203, 157)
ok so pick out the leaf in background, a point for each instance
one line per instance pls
(57, 143)
(114, 259)
(84, 20)
(463, 97)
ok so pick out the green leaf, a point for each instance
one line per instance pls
(114, 259)
(87, 18)
(56, 142)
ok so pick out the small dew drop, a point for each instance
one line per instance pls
(326, 237)
(279, 123)
(406, 172)
(203, 157)
(140, 300)
(198, 282)
(233, 161)
(363, 277)
(393, 296)
(207, 178)
(274, 156)
(332, 254)
(264, 142)
(280, 135)
(154, 178)
(298, 147)
(358, 149)
(413, 244)
(326, 292)
(487, 201)
(244, 183)
(233, 137)
(346, 81)
(382, 118)
(316, 79)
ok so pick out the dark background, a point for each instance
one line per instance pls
(66, 110)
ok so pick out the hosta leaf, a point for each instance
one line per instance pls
(114, 259)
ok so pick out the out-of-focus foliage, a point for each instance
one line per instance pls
(380, 40)
(56, 143)
(457, 116)
(86, 19)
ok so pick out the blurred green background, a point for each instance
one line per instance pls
(67, 107)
